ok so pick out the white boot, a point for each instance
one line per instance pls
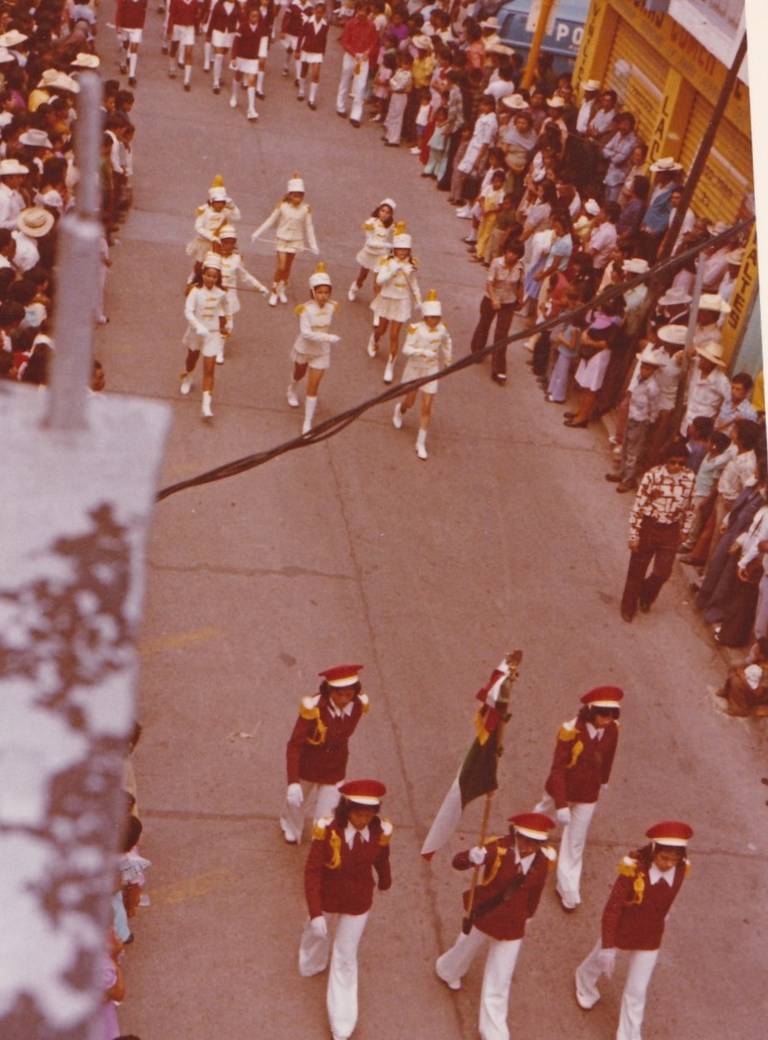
(397, 417)
(310, 404)
(354, 289)
(207, 402)
(272, 299)
(186, 383)
(290, 393)
(389, 371)
(281, 292)
(133, 60)
(171, 68)
(421, 444)
(300, 84)
(373, 348)
(187, 77)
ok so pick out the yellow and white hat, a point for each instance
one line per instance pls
(296, 183)
(319, 277)
(401, 240)
(217, 192)
(431, 307)
(212, 260)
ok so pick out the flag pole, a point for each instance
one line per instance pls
(502, 704)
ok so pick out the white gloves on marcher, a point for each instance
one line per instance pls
(320, 928)
(606, 960)
(563, 816)
(477, 855)
(294, 796)
(603, 788)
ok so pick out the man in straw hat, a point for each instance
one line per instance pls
(649, 881)
(12, 175)
(668, 175)
(33, 224)
(642, 412)
(661, 517)
(708, 385)
(512, 873)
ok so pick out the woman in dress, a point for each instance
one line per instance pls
(294, 232)
(379, 229)
(428, 349)
(312, 347)
(396, 280)
(595, 347)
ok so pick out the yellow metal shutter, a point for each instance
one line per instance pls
(638, 74)
(727, 176)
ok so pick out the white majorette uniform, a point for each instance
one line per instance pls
(293, 226)
(378, 240)
(312, 347)
(203, 309)
(232, 271)
(398, 288)
(209, 221)
(428, 351)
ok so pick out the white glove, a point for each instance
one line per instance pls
(603, 788)
(333, 338)
(320, 928)
(477, 855)
(606, 960)
(563, 816)
(294, 796)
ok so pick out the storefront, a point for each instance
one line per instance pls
(670, 79)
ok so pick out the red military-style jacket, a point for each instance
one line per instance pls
(633, 918)
(507, 920)
(339, 879)
(131, 14)
(318, 748)
(223, 20)
(580, 763)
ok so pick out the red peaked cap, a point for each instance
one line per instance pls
(363, 792)
(670, 832)
(603, 697)
(342, 674)
(534, 825)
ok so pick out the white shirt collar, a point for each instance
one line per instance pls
(525, 862)
(657, 875)
(595, 732)
(350, 832)
(339, 712)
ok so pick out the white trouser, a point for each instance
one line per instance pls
(341, 996)
(641, 965)
(292, 820)
(358, 81)
(571, 856)
(497, 977)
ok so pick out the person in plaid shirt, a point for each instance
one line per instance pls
(660, 519)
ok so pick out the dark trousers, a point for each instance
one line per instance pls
(658, 544)
(444, 184)
(503, 318)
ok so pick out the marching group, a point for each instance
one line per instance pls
(351, 841)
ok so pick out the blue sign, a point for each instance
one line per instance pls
(567, 28)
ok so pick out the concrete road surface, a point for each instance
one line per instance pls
(425, 572)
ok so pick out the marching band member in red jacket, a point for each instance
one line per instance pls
(312, 44)
(346, 850)
(633, 920)
(130, 16)
(223, 23)
(581, 769)
(514, 872)
(318, 748)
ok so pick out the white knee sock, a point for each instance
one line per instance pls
(301, 87)
(251, 92)
(234, 89)
(421, 438)
(187, 74)
(260, 82)
(313, 92)
(310, 404)
(133, 60)
(207, 52)
(218, 61)
(297, 65)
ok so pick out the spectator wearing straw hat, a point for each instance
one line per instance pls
(643, 410)
(649, 881)
(708, 385)
(33, 225)
(656, 220)
(13, 175)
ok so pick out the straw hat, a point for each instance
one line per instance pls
(674, 335)
(665, 165)
(713, 302)
(592, 207)
(515, 101)
(12, 38)
(422, 43)
(590, 86)
(35, 221)
(675, 297)
(635, 265)
(649, 356)
(52, 79)
(85, 61)
(712, 351)
(12, 168)
(555, 102)
(35, 138)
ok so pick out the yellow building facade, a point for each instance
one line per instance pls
(671, 82)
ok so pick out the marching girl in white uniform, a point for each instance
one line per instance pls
(398, 288)
(312, 348)
(210, 218)
(294, 232)
(379, 229)
(233, 271)
(207, 311)
(428, 349)
(314, 39)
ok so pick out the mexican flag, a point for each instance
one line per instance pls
(477, 775)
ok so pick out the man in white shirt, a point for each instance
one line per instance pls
(708, 385)
(12, 176)
(602, 240)
(588, 105)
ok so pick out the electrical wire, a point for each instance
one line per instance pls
(336, 423)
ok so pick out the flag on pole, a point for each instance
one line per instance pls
(477, 775)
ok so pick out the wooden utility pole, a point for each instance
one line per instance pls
(538, 36)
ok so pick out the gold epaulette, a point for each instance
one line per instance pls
(368, 225)
(411, 330)
(365, 702)
(495, 867)
(386, 831)
(628, 867)
(566, 732)
(320, 827)
(688, 868)
(309, 707)
(200, 210)
(551, 856)
(334, 840)
(299, 308)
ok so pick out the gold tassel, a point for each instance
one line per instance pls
(576, 751)
(334, 840)
(480, 730)
(638, 888)
(491, 874)
(320, 731)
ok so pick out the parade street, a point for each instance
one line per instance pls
(427, 573)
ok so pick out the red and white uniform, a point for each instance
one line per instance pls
(339, 882)
(223, 23)
(313, 40)
(130, 16)
(182, 21)
(293, 22)
(633, 920)
(317, 754)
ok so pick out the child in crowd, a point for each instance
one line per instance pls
(380, 87)
(707, 475)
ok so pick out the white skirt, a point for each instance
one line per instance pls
(289, 245)
(234, 301)
(248, 66)
(415, 368)
(222, 39)
(590, 374)
(210, 344)
(311, 58)
(199, 248)
(392, 310)
(368, 259)
(321, 361)
(289, 42)
(184, 34)
(130, 35)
